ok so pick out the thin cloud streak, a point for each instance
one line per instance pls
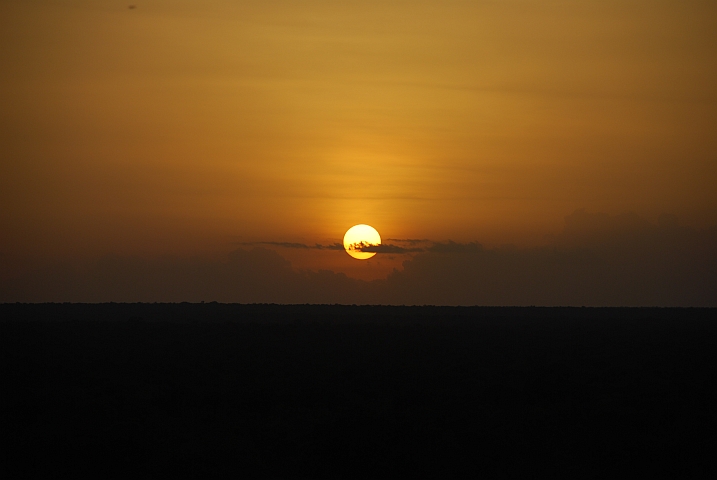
(317, 246)
(412, 241)
(431, 246)
(387, 248)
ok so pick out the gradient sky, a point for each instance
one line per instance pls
(195, 128)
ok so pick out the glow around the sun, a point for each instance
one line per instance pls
(358, 236)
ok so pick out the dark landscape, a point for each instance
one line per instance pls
(270, 391)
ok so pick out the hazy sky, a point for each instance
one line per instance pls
(193, 128)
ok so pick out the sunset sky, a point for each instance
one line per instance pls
(189, 130)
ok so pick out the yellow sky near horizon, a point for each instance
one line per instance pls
(185, 127)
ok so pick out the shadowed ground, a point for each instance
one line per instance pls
(339, 391)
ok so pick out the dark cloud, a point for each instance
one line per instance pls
(388, 248)
(412, 241)
(256, 275)
(599, 260)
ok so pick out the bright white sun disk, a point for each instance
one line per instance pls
(361, 235)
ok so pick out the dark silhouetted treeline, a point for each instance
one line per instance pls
(269, 391)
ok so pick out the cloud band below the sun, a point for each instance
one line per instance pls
(389, 248)
(598, 260)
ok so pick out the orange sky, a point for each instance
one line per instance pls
(184, 127)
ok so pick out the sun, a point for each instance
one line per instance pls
(361, 235)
